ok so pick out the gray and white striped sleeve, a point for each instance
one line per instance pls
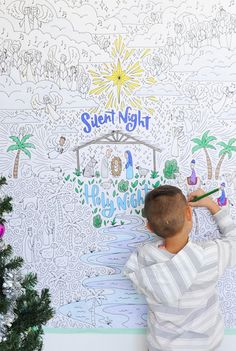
(227, 243)
(130, 271)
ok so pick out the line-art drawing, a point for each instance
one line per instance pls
(117, 137)
(102, 101)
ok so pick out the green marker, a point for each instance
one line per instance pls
(197, 198)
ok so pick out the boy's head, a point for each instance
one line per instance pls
(167, 211)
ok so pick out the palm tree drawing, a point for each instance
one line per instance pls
(55, 197)
(96, 297)
(70, 227)
(205, 143)
(20, 145)
(227, 149)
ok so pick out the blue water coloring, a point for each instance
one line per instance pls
(119, 305)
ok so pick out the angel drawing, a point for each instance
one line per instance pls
(156, 65)
(225, 98)
(58, 147)
(30, 17)
(48, 103)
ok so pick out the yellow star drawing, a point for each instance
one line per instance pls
(119, 78)
(116, 82)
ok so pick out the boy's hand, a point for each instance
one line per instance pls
(205, 202)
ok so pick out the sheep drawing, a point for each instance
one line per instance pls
(106, 184)
(142, 171)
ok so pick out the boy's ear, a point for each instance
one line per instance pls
(189, 213)
(149, 227)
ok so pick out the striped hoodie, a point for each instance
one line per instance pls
(180, 290)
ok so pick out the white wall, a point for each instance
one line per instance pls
(114, 342)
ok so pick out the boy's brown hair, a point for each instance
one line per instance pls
(164, 209)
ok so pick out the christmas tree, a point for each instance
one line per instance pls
(23, 310)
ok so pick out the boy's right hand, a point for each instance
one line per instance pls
(205, 202)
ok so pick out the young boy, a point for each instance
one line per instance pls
(179, 277)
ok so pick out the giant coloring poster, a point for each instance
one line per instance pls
(100, 102)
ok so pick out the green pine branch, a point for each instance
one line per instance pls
(30, 340)
(5, 207)
(14, 263)
(33, 339)
(5, 203)
(29, 281)
(5, 253)
(3, 181)
(4, 302)
(32, 309)
(7, 264)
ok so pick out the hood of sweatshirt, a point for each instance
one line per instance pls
(161, 275)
